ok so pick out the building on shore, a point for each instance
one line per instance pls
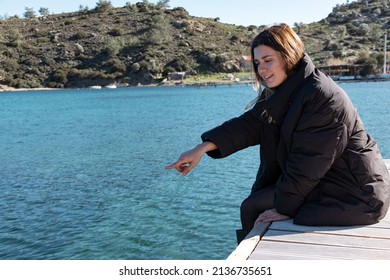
(350, 72)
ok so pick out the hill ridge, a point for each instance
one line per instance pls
(142, 43)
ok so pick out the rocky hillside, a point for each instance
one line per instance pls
(142, 43)
(352, 33)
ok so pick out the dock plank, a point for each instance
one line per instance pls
(328, 239)
(364, 231)
(312, 251)
(285, 240)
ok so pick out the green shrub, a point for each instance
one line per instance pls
(41, 33)
(159, 31)
(337, 53)
(179, 64)
(103, 6)
(29, 49)
(367, 69)
(168, 70)
(135, 67)
(115, 65)
(81, 34)
(60, 76)
(10, 65)
(15, 38)
(114, 46)
(117, 32)
(132, 42)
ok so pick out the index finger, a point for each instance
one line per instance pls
(176, 164)
(173, 165)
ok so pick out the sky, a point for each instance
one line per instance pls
(239, 12)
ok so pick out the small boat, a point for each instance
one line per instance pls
(124, 85)
(95, 87)
(110, 86)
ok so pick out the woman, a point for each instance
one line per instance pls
(318, 164)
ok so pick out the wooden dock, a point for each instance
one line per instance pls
(286, 241)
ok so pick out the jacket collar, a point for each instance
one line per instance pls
(276, 107)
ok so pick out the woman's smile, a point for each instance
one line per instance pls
(267, 78)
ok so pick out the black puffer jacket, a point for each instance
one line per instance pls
(313, 147)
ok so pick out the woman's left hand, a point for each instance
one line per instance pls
(271, 216)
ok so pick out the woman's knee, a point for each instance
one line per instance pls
(248, 205)
(258, 201)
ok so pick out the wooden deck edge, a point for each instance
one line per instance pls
(248, 246)
(244, 250)
(387, 162)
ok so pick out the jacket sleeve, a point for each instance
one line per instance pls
(318, 139)
(235, 134)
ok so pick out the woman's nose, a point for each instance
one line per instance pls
(261, 68)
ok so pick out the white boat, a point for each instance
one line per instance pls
(110, 86)
(95, 87)
(122, 85)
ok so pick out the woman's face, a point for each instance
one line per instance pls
(271, 67)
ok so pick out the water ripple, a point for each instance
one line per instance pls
(82, 172)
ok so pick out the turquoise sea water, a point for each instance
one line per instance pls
(82, 171)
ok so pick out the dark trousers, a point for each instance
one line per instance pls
(255, 204)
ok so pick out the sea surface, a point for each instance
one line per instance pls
(82, 171)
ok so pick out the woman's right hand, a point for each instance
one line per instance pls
(188, 160)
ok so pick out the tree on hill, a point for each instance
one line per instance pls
(163, 4)
(29, 13)
(103, 6)
(44, 11)
(368, 63)
(83, 9)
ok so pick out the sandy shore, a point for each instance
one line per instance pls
(7, 88)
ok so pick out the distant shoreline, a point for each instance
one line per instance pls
(4, 88)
